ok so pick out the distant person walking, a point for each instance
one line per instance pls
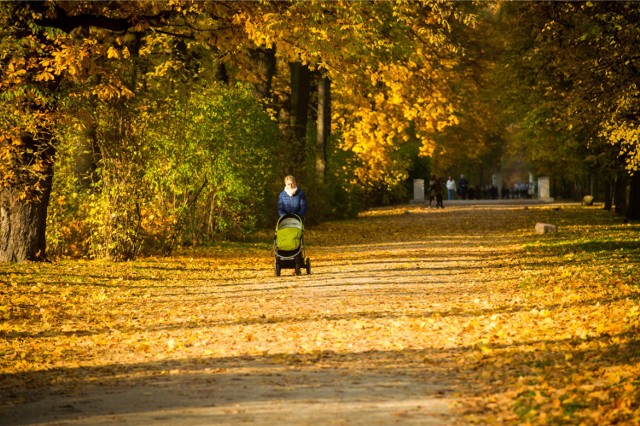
(440, 193)
(451, 188)
(463, 184)
(436, 191)
(433, 183)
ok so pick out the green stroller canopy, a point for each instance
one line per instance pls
(288, 233)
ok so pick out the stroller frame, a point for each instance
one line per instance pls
(290, 259)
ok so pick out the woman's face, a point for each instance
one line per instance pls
(290, 184)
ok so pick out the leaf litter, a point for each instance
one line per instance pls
(410, 316)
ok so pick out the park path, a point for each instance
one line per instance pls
(382, 331)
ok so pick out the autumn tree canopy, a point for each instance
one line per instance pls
(375, 84)
(577, 61)
(374, 55)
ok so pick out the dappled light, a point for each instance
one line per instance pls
(458, 316)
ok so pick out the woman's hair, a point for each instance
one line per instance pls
(291, 178)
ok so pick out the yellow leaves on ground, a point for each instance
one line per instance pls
(576, 354)
(522, 328)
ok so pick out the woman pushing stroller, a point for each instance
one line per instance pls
(288, 242)
(292, 200)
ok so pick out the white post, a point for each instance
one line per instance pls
(418, 190)
(496, 180)
(543, 189)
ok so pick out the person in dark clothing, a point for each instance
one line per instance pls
(463, 184)
(436, 191)
(440, 193)
(433, 183)
(292, 199)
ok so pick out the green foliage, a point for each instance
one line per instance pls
(216, 168)
(338, 197)
(67, 228)
(184, 171)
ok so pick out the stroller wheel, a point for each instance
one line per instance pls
(308, 266)
(297, 267)
(276, 266)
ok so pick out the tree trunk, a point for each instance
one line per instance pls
(265, 64)
(620, 194)
(324, 127)
(299, 107)
(221, 73)
(608, 184)
(23, 223)
(633, 211)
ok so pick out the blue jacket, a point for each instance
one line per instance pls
(296, 204)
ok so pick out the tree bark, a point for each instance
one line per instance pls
(23, 222)
(24, 202)
(324, 127)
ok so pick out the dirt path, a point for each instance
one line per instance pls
(381, 332)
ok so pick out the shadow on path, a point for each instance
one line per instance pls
(317, 388)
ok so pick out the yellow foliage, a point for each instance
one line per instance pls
(112, 53)
(626, 136)
(385, 89)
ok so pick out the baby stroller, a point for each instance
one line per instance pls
(288, 245)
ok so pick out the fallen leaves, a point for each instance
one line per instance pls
(523, 328)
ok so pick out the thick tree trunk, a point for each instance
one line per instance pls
(23, 224)
(23, 204)
(633, 210)
(324, 127)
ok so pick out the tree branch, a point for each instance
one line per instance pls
(68, 23)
